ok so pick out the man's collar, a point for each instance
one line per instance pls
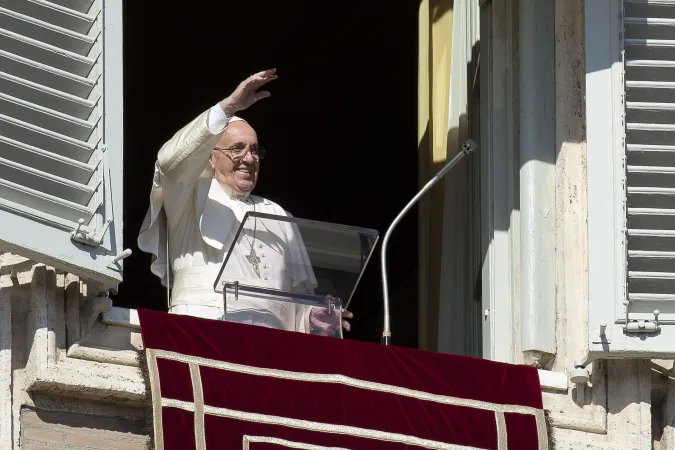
(230, 193)
(222, 193)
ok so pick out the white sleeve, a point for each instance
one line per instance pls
(217, 119)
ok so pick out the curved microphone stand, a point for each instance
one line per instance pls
(467, 148)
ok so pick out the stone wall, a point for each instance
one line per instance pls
(42, 429)
(68, 370)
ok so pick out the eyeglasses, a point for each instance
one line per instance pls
(237, 152)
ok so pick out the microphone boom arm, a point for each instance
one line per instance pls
(467, 148)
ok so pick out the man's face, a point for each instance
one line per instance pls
(235, 161)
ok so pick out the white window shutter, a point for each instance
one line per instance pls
(61, 134)
(630, 104)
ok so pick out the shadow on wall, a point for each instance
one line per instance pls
(565, 124)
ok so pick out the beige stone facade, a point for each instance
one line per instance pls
(67, 379)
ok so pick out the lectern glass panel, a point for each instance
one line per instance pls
(278, 265)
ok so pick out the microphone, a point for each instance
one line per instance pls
(467, 148)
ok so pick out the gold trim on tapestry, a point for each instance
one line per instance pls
(500, 420)
(347, 381)
(317, 426)
(248, 440)
(198, 396)
(156, 398)
(542, 433)
(200, 409)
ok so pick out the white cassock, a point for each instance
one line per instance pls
(202, 217)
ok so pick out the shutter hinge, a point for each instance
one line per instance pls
(93, 238)
(641, 326)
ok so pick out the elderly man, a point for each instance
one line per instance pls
(204, 176)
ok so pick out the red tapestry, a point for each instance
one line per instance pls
(220, 385)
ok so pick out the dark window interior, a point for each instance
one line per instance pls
(340, 128)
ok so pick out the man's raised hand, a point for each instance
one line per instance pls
(247, 92)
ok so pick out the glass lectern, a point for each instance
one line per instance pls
(277, 268)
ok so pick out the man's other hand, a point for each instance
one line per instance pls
(320, 320)
(247, 92)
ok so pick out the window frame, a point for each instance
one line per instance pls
(498, 183)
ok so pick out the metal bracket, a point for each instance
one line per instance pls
(602, 334)
(95, 236)
(469, 146)
(115, 260)
(85, 236)
(641, 326)
(235, 286)
(331, 303)
(98, 305)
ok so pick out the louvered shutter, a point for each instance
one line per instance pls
(650, 157)
(61, 134)
(630, 58)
